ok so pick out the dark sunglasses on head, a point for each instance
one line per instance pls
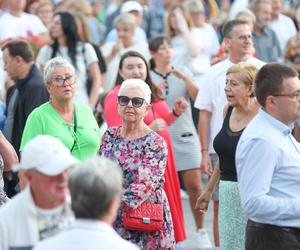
(135, 101)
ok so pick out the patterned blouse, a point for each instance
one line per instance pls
(143, 162)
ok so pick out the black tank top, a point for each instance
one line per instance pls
(225, 144)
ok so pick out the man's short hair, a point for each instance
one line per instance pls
(230, 25)
(269, 80)
(94, 184)
(19, 48)
(255, 5)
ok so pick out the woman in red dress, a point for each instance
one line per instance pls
(133, 65)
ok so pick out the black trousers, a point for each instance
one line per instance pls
(269, 237)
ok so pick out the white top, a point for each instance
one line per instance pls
(112, 67)
(19, 223)
(23, 26)
(81, 72)
(268, 169)
(181, 57)
(211, 42)
(87, 235)
(284, 29)
(236, 7)
(211, 95)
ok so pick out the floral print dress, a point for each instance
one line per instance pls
(143, 162)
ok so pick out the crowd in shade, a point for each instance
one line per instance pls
(113, 111)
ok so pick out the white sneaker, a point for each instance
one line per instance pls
(203, 239)
(180, 245)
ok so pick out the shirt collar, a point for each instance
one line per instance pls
(286, 130)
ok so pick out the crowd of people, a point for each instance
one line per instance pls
(111, 111)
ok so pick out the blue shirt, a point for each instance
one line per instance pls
(268, 169)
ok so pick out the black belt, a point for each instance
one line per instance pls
(269, 226)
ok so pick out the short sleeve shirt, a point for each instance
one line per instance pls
(46, 120)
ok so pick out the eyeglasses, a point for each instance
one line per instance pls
(60, 81)
(244, 38)
(295, 95)
(136, 102)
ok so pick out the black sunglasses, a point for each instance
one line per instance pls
(135, 101)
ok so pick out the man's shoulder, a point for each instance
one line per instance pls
(91, 238)
(10, 209)
(257, 62)
(219, 69)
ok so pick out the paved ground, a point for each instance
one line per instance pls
(191, 242)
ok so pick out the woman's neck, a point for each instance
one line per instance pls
(163, 68)
(62, 41)
(62, 107)
(248, 107)
(134, 130)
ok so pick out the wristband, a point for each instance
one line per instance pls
(204, 149)
(174, 113)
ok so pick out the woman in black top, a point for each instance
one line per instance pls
(241, 108)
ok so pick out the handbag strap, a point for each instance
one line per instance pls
(75, 128)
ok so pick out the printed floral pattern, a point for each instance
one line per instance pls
(143, 162)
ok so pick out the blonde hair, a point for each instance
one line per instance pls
(125, 20)
(246, 16)
(170, 32)
(246, 71)
(79, 16)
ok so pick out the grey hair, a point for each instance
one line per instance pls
(56, 62)
(94, 184)
(137, 83)
(255, 5)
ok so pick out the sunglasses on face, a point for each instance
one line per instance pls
(136, 102)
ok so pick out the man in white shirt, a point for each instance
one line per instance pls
(211, 97)
(96, 189)
(16, 23)
(41, 210)
(268, 163)
(283, 26)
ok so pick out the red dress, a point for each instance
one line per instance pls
(159, 110)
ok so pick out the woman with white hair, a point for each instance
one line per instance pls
(73, 123)
(142, 154)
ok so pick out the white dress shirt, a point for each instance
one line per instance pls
(268, 169)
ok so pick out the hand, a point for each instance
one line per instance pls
(180, 105)
(158, 124)
(181, 21)
(206, 166)
(178, 73)
(116, 48)
(203, 201)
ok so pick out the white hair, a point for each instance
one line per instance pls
(137, 83)
(53, 64)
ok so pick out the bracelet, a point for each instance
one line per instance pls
(174, 113)
(204, 149)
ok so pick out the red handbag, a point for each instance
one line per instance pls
(148, 217)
